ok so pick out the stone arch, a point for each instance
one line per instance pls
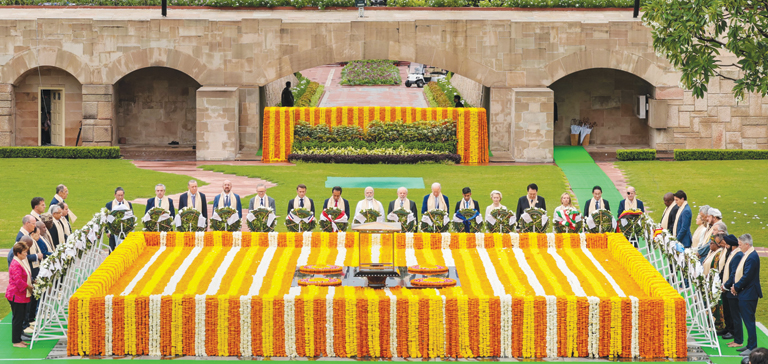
(154, 57)
(26, 61)
(654, 72)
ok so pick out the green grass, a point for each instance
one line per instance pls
(726, 185)
(761, 314)
(5, 307)
(91, 185)
(511, 181)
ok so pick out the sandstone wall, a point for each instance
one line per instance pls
(606, 97)
(274, 89)
(155, 106)
(471, 91)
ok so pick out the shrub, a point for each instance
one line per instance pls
(439, 95)
(370, 72)
(719, 154)
(316, 98)
(450, 91)
(441, 131)
(61, 152)
(430, 97)
(306, 99)
(299, 147)
(376, 159)
(636, 154)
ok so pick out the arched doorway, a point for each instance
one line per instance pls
(156, 106)
(48, 107)
(607, 97)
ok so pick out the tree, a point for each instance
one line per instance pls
(713, 38)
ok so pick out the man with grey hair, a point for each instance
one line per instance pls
(369, 203)
(402, 202)
(62, 192)
(58, 235)
(746, 287)
(702, 220)
(713, 217)
(261, 199)
(435, 200)
(194, 199)
(161, 200)
(631, 202)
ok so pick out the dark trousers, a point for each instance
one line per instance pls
(19, 311)
(738, 330)
(727, 314)
(112, 243)
(32, 309)
(747, 309)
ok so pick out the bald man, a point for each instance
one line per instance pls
(228, 199)
(44, 243)
(631, 202)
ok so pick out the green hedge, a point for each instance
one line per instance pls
(718, 154)
(439, 131)
(61, 152)
(636, 154)
(299, 147)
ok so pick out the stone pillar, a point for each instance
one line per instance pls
(6, 115)
(218, 115)
(250, 122)
(98, 111)
(534, 125)
(501, 115)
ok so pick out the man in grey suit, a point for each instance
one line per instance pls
(261, 199)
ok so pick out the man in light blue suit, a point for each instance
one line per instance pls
(683, 220)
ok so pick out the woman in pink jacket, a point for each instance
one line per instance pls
(19, 290)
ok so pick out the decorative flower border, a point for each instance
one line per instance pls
(526, 295)
(471, 128)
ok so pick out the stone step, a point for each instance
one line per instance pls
(158, 153)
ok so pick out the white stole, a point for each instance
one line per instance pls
(67, 227)
(431, 202)
(727, 271)
(165, 204)
(406, 205)
(60, 230)
(721, 261)
(48, 240)
(463, 203)
(630, 205)
(697, 235)
(677, 217)
(332, 204)
(25, 264)
(707, 236)
(232, 202)
(593, 206)
(297, 204)
(708, 261)
(32, 250)
(198, 201)
(115, 203)
(36, 215)
(665, 216)
(740, 268)
(373, 204)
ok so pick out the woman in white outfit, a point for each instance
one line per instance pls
(496, 198)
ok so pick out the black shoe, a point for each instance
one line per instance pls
(721, 332)
(741, 349)
(173, 143)
(727, 336)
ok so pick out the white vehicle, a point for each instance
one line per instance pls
(420, 75)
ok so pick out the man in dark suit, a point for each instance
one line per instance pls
(630, 203)
(747, 288)
(532, 199)
(194, 199)
(161, 201)
(596, 202)
(435, 200)
(336, 201)
(670, 212)
(228, 199)
(402, 202)
(682, 228)
(261, 199)
(118, 203)
(58, 236)
(732, 264)
(467, 202)
(38, 207)
(62, 192)
(301, 200)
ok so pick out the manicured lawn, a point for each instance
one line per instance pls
(736, 188)
(511, 181)
(91, 185)
(761, 315)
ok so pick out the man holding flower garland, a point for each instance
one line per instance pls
(301, 200)
(467, 202)
(370, 203)
(118, 202)
(228, 199)
(261, 199)
(596, 202)
(194, 199)
(631, 202)
(532, 199)
(336, 201)
(435, 200)
(161, 200)
(402, 202)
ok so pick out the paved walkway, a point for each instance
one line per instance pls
(340, 95)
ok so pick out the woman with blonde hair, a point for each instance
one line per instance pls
(565, 203)
(496, 198)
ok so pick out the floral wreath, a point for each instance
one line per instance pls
(300, 220)
(225, 219)
(188, 220)
(500, 220)
(261, 220)
(602, 221)
(333, 220)
(157, 219)
(435, 221)
(569, 222)
(467, 221)
(533, 220)
(631, 223)
(367, 215)
(123, 221)
(405, 218)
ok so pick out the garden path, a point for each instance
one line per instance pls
(338, 95)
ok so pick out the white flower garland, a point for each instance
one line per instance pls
(329, 322)
(341, 242)
(410, 254)
(215, 284)
(529, 274)
(551, 241)
(142, 272)
(170, 288)
(306, 239)
(490, 272)
(237, 239)
(289, 317)
(408, 240)
(578, 290)
(375, 247)
(593, 329)
(506, 325)
(272, 239)
(393, 322)
(163, 237)
(108, 325)
(246, 349)
(200, 325)
(448, 258)
(480, 240)
(261, 271)
(602, 270)
(583, 240)
(551, 326)
(199, 239)
(154, 325)
(445, 331)
(445, 241)
(306, 249)
(515, 239)
(635, 326)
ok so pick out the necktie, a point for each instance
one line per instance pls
(193, 201)
(597, 204)
(533, 203)
(466, 204)
(337, 203)
(401, 203)
(437, 204)
(226, 200)
(262, 202)
(301, 202)
(159, 202)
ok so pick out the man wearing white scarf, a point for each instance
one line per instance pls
(57, 230)
(261, 199)
(301, 200)
(118, 203)
(746, 287)
(435, 200)
(531, 199)
(62, 192)
(161, 200)
(337, 202)
(631, 202)
(38, 207)
(596, 202)
(194, 198)
(670, 212)
(228, 199)
(370, 203)
(402, 202)
(467, 202)
(682, 227)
